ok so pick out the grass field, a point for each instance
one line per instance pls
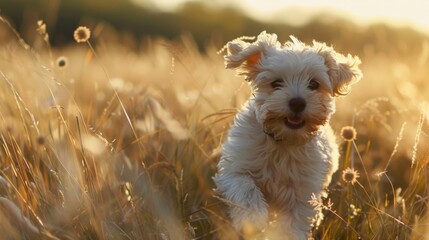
(104, 141)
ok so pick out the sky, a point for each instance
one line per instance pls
(413, 13)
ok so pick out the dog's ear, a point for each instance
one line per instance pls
(246, 57)
(343, 70)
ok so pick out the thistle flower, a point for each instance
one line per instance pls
(348, 133)
(350, 175)
(82, 34)
(62, 62)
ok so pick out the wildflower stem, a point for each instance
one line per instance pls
(116, 94)
(380, 211)
(393, 191)
(363, 165)
(347, 157)
(418, 132)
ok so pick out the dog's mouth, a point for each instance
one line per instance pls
(294, 122)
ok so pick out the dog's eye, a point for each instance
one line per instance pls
(277, 83)
(313, 85)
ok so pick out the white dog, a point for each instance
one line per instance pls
(281, 150)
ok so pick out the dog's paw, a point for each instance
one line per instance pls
(250, 221)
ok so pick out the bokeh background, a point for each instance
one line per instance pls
(393, 24)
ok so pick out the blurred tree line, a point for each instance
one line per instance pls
(207, 25)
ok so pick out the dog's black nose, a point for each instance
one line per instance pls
(297, 104)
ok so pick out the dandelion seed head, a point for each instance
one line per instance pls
(350, 175)
(348, 133)
(82, 34)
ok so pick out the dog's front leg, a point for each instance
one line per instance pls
(249, 210)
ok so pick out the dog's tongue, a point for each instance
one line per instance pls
(294, 120)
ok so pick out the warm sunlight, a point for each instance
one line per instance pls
(412, 13)
(399, 12)
(220, 119)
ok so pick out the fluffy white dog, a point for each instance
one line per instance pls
(281, 150)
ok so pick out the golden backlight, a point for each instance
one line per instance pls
(412, 13)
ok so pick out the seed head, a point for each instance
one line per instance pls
(348, 133)
(82, 34)
(41, 27)
(350, 175)
(41, 140)
(62, 62)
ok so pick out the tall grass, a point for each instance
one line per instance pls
(119, 143)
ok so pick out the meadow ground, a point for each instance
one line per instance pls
(103, 141)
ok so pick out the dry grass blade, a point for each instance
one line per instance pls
(418, 133)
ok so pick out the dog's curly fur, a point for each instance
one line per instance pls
(281, 150)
